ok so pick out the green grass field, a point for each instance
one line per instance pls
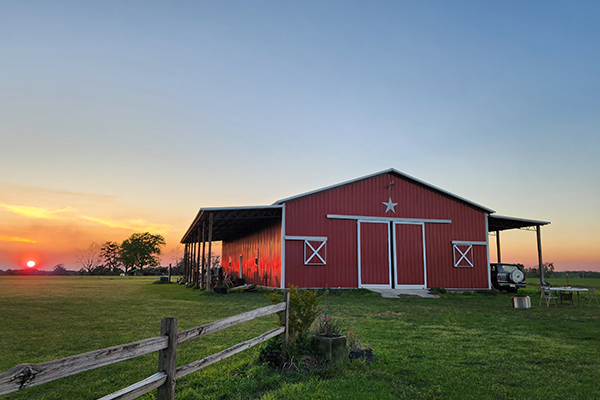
(462, 346)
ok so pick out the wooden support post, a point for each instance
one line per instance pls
(498, 247)
(169, 272)
(208, 267)
(189, 269)
(197, 278)
(193, 246)
(539, 246)
(185, 261)
(196, 255)
(203, 253)
(286, 324)
(196, 249)
(167, 359)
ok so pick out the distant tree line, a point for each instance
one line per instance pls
(138, 254)
(59, 269)
(549, 272)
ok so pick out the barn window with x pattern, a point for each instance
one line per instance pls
(315, 252)
(463, 255)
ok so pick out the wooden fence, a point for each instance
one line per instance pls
(28, 375)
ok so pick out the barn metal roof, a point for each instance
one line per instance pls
(229, 223)
(502, 223)
(399, 174)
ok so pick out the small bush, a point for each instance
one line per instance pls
(437, 290)
(327, 326)
(304, 309)
(270, 352)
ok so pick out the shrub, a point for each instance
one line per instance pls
(270, 352)
(328, 327)
(304, 309)
(437, 290)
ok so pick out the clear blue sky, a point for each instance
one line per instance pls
(143, 112)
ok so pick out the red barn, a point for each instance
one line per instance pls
(386, 230)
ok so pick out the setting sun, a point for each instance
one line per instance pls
(31, 264)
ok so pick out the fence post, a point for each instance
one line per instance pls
(167, 359)
(286, 323)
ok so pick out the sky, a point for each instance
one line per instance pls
(129, 116)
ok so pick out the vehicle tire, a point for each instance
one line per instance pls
(516, 276)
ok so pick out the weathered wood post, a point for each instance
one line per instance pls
(167, 359)
(209, 261)
(188, 270)
(539, 247)
(185, 261)
(197, 274)
(286, 324)
(203, 253)
(499, 255)
(191, 269)
(195, 267)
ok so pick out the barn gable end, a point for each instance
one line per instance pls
(386, 230)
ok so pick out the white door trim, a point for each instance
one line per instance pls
(358, 251)
(424, 286)
(389, 248)
(282, 285)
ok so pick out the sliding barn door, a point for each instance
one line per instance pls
(374, 254)
(409, 255)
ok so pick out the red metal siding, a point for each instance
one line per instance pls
(264, 245)
(341, 269)
(307, 216)
(374, 254)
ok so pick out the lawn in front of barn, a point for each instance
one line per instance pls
(460, 346)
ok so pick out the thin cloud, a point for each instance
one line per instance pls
(132, 225)
(16, 239)
(37, 212)
(45, 192)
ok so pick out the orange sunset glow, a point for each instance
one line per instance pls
(52, 232)
(47, 231)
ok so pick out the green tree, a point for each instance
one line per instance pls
(548, 270)
(110, 253)
(141, 250)
(59, 269)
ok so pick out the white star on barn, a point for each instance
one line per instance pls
(389, 206)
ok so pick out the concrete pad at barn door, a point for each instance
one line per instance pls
(393, 293)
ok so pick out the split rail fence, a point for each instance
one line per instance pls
(28, 375)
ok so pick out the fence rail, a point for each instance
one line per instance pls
(27, 375)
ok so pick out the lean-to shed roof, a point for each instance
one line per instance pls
(231, 222)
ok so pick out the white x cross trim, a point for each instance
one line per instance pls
(315, 251)
(463, 256)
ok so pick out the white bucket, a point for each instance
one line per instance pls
(521, 302)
